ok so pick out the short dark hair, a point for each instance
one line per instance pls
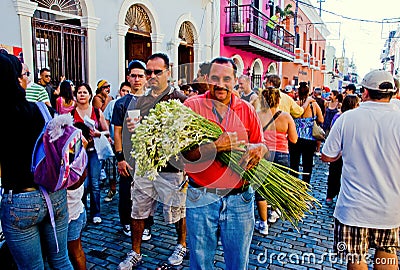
(224, 60)
(124, 84)
(351, 87)
(204, 68)
(43, 70)
(87, 86)
(375, 94)
(274, 79)
(161, 55)
(185, 87)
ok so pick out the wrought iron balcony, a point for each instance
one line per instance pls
(247, 28)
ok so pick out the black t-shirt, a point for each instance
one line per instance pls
(23, 126)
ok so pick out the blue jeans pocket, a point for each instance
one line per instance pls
(248, 195)
(24, 216)
(193, 194)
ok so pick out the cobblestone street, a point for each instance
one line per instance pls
(284, 248)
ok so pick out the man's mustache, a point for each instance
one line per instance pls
(220, 88)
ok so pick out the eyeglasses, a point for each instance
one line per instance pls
(156, 72)
(139, 76)
(26, 73)
(47, 76)
(106, 86)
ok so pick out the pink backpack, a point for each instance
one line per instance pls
(59, 159)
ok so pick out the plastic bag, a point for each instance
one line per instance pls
(103, 147)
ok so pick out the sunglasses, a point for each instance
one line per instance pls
(26, 73)
(47, 76)
(106, 86)
(139, 76)
(156, 72)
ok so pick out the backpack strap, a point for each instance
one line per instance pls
(272, 120)
(51, 213)
(45, 111)
(47, 117)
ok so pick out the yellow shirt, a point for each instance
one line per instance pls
(273, 21)
(287, 104)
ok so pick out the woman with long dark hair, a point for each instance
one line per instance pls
(65, 103)
(25, 219)
(306, 144)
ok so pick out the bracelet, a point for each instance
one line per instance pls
(119, 156)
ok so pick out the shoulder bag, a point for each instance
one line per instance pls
(317, 132)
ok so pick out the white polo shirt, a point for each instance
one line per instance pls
(369, 139)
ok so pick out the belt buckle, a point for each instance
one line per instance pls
(222, 191)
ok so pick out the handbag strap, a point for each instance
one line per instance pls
(312, 110)
(272, 120)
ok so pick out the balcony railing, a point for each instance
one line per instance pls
(248, 19)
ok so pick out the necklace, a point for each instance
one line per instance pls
(218, 116)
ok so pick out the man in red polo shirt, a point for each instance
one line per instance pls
(219, 202)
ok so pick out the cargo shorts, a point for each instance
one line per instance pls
(167, 189)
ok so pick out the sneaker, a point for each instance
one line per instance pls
(126, 229)
(97, 220)
(132, 259)
(110, 195)
(177, 257)
(261, 227)
(146, 235)
(274, 216)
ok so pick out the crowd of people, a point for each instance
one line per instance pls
(210, 201)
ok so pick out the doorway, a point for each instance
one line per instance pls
(137, 47)
(185, 62)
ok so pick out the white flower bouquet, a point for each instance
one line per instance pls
(172, 128)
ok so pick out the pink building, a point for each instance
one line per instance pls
(254, 41)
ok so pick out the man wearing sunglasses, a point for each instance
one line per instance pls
(45, 81)
(145, 192)
(34, 92)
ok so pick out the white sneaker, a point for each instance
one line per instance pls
(146, 236)
(261, 227)
(274, 216)
(126, 230)
(177, 257)
(97, 220)
(132, 259)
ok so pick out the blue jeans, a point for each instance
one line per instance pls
(92, 184)
(209, 216)
(280, 158)
(26, 225)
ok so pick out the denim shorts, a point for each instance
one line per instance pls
(76, 226)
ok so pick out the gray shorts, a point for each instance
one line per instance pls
(165, 189)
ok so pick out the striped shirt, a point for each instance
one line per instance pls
(35, 92)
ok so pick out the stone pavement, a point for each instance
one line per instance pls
(284, 248)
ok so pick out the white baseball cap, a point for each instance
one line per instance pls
(375, 78)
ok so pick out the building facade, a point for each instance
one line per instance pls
(88, 40)
(309, 64)
(244, 36)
